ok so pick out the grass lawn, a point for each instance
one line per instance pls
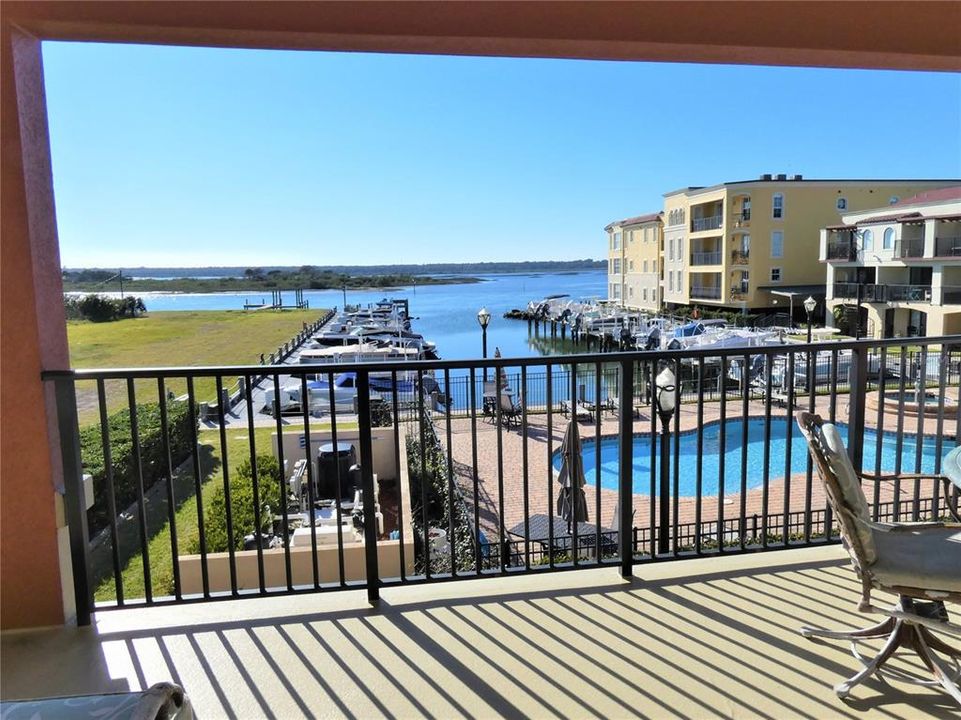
(164, 339)
(161, 556)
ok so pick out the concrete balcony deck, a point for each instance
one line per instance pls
(712, 637)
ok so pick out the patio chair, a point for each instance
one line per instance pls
(918, 562)
(510, 411)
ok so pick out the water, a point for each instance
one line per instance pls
(732, 457)
(445, 314)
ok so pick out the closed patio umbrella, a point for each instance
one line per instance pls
(571, 502)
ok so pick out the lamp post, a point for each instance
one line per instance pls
(809, 306)
(484, 319)
(665, 385)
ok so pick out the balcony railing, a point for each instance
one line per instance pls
(908, 293)
(947, 246)
(455, 475)
(869, 291)
(740, 257)
(842, 250)
(950, 295)
(742, 216)
(706, 223)
(706, 258)
(706, 292)
(909, 248)
(739, 292)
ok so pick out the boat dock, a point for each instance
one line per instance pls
(277, 302)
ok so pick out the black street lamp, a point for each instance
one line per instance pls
(809, 305)
(665, 385)
(484, 319)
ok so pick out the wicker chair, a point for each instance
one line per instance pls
(919, 562)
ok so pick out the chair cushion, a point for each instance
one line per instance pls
(924, 557)
(850, 484)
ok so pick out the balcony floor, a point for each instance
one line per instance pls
(701, 638)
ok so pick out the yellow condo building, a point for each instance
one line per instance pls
(634, 261)
(748, 245)
(895, 271)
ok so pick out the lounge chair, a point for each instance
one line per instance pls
(918, 562)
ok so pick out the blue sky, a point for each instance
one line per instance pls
(194, 156)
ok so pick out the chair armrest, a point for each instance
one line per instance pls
(904, 476)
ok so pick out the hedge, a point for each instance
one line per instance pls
(98, 308)
(242, 505)
(153, 460)
(439, 506)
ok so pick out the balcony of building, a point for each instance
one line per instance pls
(841, 245)
(707, 638)
(707, 251)
(740, 212)
(707, 216)
(947, 238)
(296, 627)
(705, 292)
(907, 248)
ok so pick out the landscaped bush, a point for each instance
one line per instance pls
(97, 308)
(439, 506)
(242, 505)
(153, 459)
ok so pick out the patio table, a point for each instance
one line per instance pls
(539, 528)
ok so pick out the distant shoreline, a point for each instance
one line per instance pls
(254, 286)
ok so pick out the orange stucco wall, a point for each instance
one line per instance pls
(32, 336)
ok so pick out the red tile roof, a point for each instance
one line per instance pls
(939, 195)
(650, 217)
(901, 217)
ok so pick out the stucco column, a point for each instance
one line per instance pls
(33, 337)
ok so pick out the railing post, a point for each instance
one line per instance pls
(74, 503)
(856, 404)
(367, 481)
(625, 468)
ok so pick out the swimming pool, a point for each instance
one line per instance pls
(732, 456)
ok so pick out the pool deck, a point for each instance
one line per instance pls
(542, 488)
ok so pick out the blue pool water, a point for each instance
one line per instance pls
(732, 456)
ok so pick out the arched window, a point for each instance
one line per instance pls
(867, 241)
(889, 238)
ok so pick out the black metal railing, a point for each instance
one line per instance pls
(741, 216)
(740, 257)
(947, 246)
(909, 248)
(950, 295)
(908, 293)
(841, 249)
(870, 292)
(712, 222)
(426, 472)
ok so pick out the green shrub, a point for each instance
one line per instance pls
(98, 308)
(242, 514)
(153, 459)
(439, 505)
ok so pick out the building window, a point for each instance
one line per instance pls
(888, 238)
(653, 266)
(680, 249)
(617, 291)
(616, 266)
(778, 206)
(630, 292)
(867, 241)
(842, 203)
(777, 244)
(680, 281)
(617, 241)
(645, 266)
(670, 249)
(630, 265)
(670, 281)
(776, 274)
(644, 293)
